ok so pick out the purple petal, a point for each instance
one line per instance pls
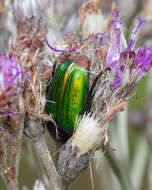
(144, 60)
(114, 48)
(10, 72)
(122, 60)
(140, 54)
(135, 34)
(58, 50)
(115, 15)
(118, 79)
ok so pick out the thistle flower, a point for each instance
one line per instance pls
(10, 80)
(128, 65)
(109, 95)
(11, 117)
(10, 72)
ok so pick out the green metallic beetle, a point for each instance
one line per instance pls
(67, 94)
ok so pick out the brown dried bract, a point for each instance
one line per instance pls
(6, 98)
(118, 107)
(29, 51)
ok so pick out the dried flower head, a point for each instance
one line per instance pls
(12, 79)
(28, 47)
(129, 66)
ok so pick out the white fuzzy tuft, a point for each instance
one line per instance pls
(93, 23)
(88, 134)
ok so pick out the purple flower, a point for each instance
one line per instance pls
(128, 66)
(10, 73)
(11, 79)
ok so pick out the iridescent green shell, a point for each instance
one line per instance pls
(73, 96)
(55, 88)
(68, 91)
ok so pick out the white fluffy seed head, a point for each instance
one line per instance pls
(88, 135)
(93, 23)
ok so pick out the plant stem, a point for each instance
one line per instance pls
(34, 129)
(12, 185)
(149, 128)
(43, 153)
(139, 163)
(122, 132)
(118, 171)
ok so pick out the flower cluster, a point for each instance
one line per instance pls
(129, 66)
(108, 91)
(11, 79)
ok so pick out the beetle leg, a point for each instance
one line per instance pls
(91, 93)
(54, 68)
